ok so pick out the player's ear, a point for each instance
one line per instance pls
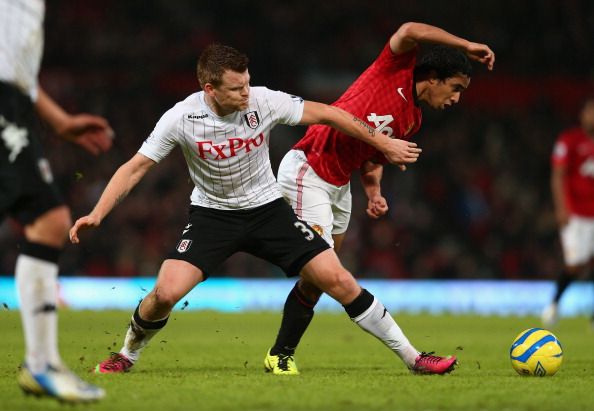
(208, 89)
(432, 77)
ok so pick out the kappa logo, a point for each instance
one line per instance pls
(252, 119)
(187, 228)
(196, 116)
(184, 245)
(399, 90)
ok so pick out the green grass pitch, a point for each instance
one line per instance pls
(214, 361)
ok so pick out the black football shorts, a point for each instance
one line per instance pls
(27, 189)
(272, 232)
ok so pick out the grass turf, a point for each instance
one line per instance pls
(214, 361)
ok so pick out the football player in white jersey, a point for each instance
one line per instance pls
(29, 195)
(236, 205)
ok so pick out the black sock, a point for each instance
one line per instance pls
(562, 282)
(359, 304)
(148, 325)
(297, 315)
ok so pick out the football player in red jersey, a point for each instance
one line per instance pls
(572, 186)
(315, 174)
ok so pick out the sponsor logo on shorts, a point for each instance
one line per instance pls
(184, 245)
(45, 170)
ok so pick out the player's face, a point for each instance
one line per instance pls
(445, 93)
(232, 94)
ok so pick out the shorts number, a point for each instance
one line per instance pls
(309, 235)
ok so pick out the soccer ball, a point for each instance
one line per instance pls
(536, 352)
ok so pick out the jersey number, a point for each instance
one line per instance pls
(381, 123)
(309, 235)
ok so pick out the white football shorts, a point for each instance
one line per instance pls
(577, 240)
(324, 206)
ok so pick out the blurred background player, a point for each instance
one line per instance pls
(315, 174)
(29, 195)
(572, 187)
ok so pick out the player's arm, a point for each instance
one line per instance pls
(92, 133)
(396, 151)
(371, 177)
(409, 35)
(121, 183)
(557, 191)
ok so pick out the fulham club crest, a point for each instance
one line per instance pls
(252, 119)
(184, 245)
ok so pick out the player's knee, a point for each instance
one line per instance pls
(339, 284)
(164, 298)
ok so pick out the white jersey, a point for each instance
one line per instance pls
(21, 43)
(228, 157)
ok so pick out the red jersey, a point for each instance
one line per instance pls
(574, 150)
(383, 96)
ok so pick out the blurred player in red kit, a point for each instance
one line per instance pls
(315, 174)
(572, 186)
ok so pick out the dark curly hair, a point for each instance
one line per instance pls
(217, 58)
(445, 61)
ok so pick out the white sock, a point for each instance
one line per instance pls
(37, 285)
(377, 321)
(136, 339)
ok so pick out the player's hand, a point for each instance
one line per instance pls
(377, 206)
(92, 133)
(481, 53)
(401, 152)
(82, 224)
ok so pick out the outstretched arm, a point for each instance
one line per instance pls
(92, 133)
(410, 34)
(396, 151)
(121, 183)
(371, 176)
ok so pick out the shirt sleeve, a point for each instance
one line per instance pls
(162, 139)
(389, 62)
(288, 109)
(560, 153)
